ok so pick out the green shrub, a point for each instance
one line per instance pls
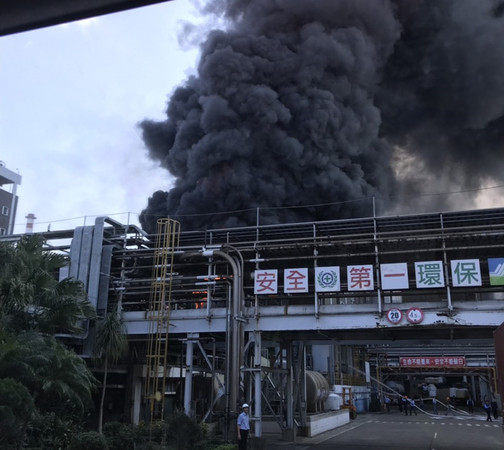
(226, 447)
(154, 434)
(48, 431)
(119, 436)
(185, 433)
(141, 431)
(88, 440)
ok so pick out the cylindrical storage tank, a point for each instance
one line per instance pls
(317, 390)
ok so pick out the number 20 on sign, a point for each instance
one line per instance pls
(394, 315)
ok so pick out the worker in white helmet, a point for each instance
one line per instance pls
(243, 425)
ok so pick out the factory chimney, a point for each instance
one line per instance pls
(30, 219)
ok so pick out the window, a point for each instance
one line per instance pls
(5, 210)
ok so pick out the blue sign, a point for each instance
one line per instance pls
(496, 271)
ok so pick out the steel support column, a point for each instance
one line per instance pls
(188, 373)
(257, 384)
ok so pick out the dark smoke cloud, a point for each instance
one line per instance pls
(333, 102)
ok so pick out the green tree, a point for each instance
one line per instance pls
(35, 305)
(16, 406)
(64, 385)
(17, 360)
(58, 379)
(31, 294)
(109, 345)
(49, 431)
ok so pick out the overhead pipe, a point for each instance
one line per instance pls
(236, 325)
(445, 266)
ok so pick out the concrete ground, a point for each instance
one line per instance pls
(374, 423)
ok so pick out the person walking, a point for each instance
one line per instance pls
(434, 405)
(495, 409)
(406, 405)
(470, 405)
(243, 426)
(387, 403)
(488, 410)
(412, 407)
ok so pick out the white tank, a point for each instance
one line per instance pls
(333, 402)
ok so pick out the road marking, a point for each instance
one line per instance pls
(431, 446)
(351, 426)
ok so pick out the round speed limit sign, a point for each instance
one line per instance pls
(394, 315)
(414, 315)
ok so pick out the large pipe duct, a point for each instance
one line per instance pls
(236, 326)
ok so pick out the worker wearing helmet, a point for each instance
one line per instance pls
(243, 425)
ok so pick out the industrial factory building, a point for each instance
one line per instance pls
(281, 315)
(9, 182)
(305, 321)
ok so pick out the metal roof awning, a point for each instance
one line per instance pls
(24, 15)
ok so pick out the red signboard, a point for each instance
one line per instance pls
(432, 361)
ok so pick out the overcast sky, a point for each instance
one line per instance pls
(70, 100)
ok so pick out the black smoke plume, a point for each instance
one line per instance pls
(333, 103)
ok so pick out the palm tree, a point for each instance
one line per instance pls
(31, 294)
(16, 407)
(109, 345)
(58, 379)
(34, 305)
(65, 385)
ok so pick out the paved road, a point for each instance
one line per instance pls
(378, 431)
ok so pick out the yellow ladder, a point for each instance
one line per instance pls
(168, 238)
